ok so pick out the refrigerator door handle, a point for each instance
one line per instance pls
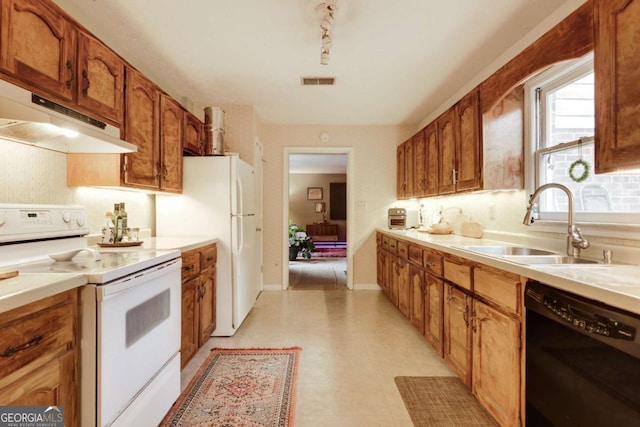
(239, 197)
(240, 233)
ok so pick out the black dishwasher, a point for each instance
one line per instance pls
(582, 361)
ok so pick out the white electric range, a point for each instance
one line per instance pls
(130, 322)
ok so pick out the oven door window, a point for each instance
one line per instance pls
(146, 316)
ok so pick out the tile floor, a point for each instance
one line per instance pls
(318, 274)
(354, 344)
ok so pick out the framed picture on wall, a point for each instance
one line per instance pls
(320, 207)
(314, 193)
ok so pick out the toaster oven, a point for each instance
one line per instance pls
(402, 219)
(397, 218)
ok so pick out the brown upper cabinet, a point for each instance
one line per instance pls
(431, 159)
(404, 170)
(142, 168)
(425, 153)
(38, 46)
(154, 123)
(45, 52)
(194, 143)
(446, 136)
(468, 171)
(419, 164)
(617, 94)
(460, 147)
(446, 156)
(100, 87)
(171, 137)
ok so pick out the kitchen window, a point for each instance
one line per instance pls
(559, 104)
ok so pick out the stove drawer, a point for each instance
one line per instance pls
(37, 332)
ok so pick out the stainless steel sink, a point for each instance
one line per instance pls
(551, 260)
(507, 250)
(530, 256)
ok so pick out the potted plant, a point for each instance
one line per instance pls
(299, 242)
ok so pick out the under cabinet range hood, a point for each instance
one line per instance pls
(28, 118)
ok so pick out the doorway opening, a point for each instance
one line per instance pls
(316, 214)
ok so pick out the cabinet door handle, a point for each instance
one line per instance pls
(210, 258)
(189, 267)
(85, 89)
(10, 351)
(72, 78)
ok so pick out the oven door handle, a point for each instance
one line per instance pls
(110, 290)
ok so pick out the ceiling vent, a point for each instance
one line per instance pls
(318, 81)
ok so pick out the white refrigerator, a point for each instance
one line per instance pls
(218, 200)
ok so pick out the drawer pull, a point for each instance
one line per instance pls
(189, 267)
(10, 351)
(210, 258)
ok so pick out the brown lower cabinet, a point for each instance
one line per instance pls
(39, 354)
(457, 332)
(198, 299)
(496, 363)
(470, 313)
(433, 317)
(417, 297)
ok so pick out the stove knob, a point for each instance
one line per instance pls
(80, 221)
(66, 217)
(3, 216)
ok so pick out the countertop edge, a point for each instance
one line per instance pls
(183, 244)
(27, 288)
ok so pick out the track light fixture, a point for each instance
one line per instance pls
(326, 12)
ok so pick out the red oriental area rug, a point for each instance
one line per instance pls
(240, 387)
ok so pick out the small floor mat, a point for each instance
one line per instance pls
(441, 402)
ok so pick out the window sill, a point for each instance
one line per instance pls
(591, 229)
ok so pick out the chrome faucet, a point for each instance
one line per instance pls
(575, 241)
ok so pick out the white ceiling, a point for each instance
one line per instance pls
(394, 62)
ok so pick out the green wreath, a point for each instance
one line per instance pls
(585, 171)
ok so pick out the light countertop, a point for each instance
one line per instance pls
(29, 287)
(26, 288)
(183, 244)
(617, 285)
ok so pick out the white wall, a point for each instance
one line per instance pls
(373, 183)
(35, 175)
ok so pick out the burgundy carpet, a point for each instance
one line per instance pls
(329, 253)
